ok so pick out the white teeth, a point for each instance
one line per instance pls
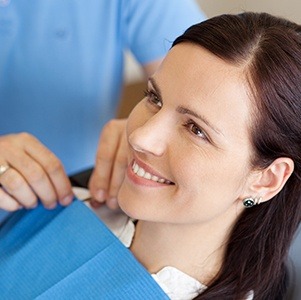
(155, 178)
(141, 173)
(147, 175)
(135, 168)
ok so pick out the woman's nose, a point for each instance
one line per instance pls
(151, 137)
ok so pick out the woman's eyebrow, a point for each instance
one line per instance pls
(187, 111)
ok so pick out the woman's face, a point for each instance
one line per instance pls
(189, 142)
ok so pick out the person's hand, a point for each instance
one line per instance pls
(111, 162)
(28, 172)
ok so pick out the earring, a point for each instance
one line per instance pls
(248, 202)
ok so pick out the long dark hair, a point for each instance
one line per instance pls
(269, 50)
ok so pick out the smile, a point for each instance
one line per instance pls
(140, 172)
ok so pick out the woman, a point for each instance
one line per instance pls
(214, 171)
(215, 159)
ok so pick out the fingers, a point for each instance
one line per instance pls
(7, 202)
(55, 178)
(111, 161)
(15, 187)
(117, 176)
(34, 173)
(107, 148)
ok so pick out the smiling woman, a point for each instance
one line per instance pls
(213, 172)
(218, 132)
(181, 132)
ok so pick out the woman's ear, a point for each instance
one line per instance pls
(271, 180)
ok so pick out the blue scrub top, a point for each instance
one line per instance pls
(61, 64)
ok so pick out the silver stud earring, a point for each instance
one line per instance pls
(249, 202)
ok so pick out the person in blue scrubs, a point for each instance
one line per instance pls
(61, 75)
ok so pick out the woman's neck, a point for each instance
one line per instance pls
(195, 250)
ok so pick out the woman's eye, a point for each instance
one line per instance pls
(196, 130)
(153, 98)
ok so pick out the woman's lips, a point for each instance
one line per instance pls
(142, 174)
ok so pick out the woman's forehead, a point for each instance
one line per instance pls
(193, 72)
(196, 67)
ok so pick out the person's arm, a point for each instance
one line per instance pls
(30, 172)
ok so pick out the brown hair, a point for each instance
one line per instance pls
(270, 50)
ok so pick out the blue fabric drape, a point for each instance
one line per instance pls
(68, 253)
